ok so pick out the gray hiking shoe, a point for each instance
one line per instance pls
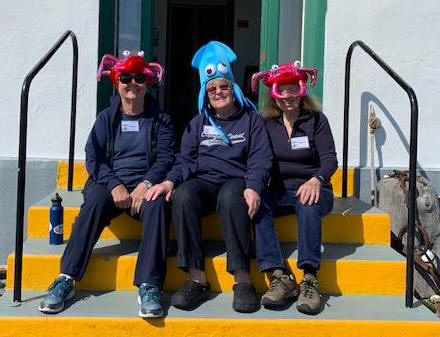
(60, 291)
(282, 289)
(309, 300)
(149, 300)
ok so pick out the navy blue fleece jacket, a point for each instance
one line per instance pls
(100, 144)
(204, 155)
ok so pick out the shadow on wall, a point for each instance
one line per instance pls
(366, 99)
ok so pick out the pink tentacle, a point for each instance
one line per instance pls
(302, 89)
(255, 78)
(313, 73)
(107, 62)
(158, 70)
(275, 93)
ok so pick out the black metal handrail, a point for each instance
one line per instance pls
(412, 156)
(22, 148)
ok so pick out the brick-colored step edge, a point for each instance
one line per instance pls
(80, 176)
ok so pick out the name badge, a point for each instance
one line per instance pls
(299, 143)
(130, 126)
(208, 131)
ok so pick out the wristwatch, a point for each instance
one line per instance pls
(147, 183)
(320, 178)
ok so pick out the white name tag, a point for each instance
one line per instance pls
(130, 126)
(208, 131)
(299, 143)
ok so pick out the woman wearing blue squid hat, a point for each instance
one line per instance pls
(223, 165)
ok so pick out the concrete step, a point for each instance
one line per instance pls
(345, 269)
(351, 221)
(80, 176)
(115, 314)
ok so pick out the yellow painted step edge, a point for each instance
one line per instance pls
(337, 228)
(214, 327)
(80, 176)
(110, 272)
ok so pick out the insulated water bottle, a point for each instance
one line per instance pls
(56, 221)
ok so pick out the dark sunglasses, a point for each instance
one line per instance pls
(126, 78)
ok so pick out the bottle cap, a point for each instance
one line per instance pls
(57, 200)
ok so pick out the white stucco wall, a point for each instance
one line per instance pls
(406, 35)
(28, 29)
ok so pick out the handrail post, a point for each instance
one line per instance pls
(21, 180)
(73, 111)
(412, 156)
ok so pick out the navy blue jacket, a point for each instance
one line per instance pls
(204, 155)
(294, 167)
(99, 147)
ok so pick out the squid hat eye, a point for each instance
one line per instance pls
(222, 68)
(141, 53)
(126, 53)
(210, 70)
(274, 67)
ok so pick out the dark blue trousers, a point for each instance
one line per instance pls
(96, 212)
(308, 218)
(195, 198)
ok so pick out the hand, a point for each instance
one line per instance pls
(309, 192)
(166, 187)
(252, 200)
(121, 197)
(138, 196)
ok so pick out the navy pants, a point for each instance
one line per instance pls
(95, 213)
(195, 198)
(309, 227)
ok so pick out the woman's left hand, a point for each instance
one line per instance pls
(252, 200)
(138, 195)
(309, 192)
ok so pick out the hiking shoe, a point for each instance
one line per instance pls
(309, 300)
(190, 295)
(245, 298)
(149, 301)
(282, 289)
(60, 291)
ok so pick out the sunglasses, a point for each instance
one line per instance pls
(212, 90)
(126, 78)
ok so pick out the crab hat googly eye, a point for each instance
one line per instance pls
(222, 68)
(126, 53)
(274, 67)
(210, 70)
(141, 53)
(297, 63)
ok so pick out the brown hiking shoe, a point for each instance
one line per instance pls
(283, 288)
(309, 300)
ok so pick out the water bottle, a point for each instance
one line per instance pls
(56, 221)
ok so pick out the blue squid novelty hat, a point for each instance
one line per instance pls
(213, 60)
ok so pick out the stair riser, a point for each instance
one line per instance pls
(113, 272)
(80, 176)
(177, 327)
(337, 228)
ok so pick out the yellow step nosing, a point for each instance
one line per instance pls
(337, 228)
(202, 326)
(338, 276)
(80, 176)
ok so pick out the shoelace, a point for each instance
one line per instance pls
(308, 288)
(149, 294)
(274, 284)
(60, 287)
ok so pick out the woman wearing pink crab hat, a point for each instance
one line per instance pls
(304, 161)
